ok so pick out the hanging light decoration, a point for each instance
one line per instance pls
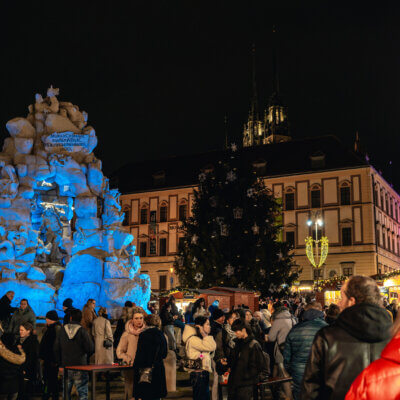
(238, 213)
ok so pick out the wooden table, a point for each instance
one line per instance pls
(92, 369)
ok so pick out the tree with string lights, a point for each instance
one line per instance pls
(233, 236)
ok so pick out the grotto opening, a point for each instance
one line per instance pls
(61, 231)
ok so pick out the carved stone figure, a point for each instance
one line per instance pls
(61, 231)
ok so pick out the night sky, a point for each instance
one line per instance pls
(157, 78)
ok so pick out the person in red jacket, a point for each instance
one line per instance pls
(381, 379)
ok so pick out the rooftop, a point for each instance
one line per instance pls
(297, 156)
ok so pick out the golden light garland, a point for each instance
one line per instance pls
(310, 250)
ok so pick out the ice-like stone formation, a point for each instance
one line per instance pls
(60, 223)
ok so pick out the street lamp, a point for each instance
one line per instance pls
(171, 278)
(319, 258)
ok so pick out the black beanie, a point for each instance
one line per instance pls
(218, 313)
(67, 303)
(52, 315)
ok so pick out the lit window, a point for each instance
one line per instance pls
(347, 271)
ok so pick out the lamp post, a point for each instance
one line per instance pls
(320, 256)
(171, 279)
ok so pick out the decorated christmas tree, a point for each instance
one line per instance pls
(234, 236)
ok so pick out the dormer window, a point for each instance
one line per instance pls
(159, 178)
(260, 167)
(317, 159)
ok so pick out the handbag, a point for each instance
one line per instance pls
(187, 363)
(107, 343)
(146, 374)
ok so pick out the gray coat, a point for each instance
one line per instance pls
(20, 317)
(282, 323)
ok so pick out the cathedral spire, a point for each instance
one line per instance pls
(275, 119)
(254, 101)
(253, 132)
(275, 71)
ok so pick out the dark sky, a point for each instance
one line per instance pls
(158, 77)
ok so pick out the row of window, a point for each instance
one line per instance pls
(346, 271)
(388, 241)
(289, 199)
(151, 217)
(347, 236)
(387, 204)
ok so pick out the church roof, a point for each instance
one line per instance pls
(324, 153)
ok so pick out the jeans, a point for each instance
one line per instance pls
(200, 382)
(169, 331)
(10, 396)
(80, 380)
(179, 324)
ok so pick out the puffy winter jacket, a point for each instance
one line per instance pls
(283, 322)
(342, 350)
(381, 379)
(298, 345)
(196, 346)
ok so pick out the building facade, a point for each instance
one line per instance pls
(359, 209)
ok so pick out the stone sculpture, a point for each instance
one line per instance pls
(61, 231)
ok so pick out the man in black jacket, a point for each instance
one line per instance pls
(5, 309)
(73, 346)
(248, 363)
(167, 320)
(342, 350)
(46, 353)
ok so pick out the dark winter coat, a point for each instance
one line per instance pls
(298, 345)
(31, 365)
(10, 369)
(20, 317)
(248, 364)
(342, 350)
(381, 380)
(46, 349)
(67, 315)
(151, 350)
(215, 328)
(166, 316)
(73, 345)
(5, 309)
(257, 331)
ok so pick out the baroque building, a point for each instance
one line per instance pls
(359, 208)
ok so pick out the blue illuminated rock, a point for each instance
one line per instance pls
(60, 222)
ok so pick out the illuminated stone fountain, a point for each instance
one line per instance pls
(60, 223)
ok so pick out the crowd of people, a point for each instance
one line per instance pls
(348, 350)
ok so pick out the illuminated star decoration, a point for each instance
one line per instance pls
(230, 176)
(250, 192)
(195, 238)
(234, 147)
(255, 228)
(229, 270)
(198, 277)
(202, 177)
